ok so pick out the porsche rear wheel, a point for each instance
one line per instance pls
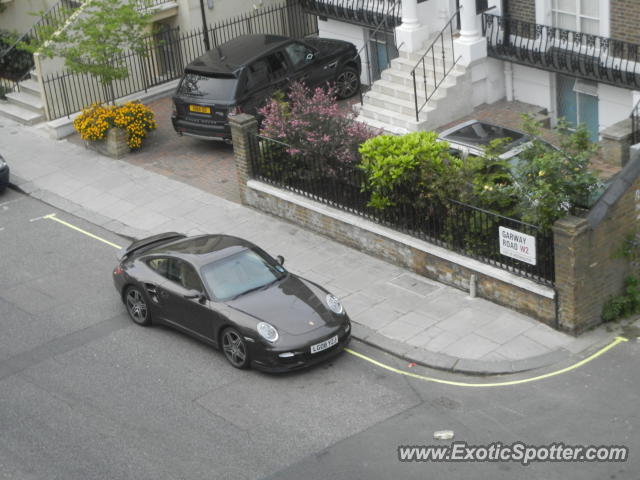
(137, 306)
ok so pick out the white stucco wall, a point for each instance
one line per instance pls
(614, 104)
(534, 86)
(16, 17)
(190, 17)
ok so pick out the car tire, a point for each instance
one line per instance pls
(347, 83)
(235, 348)
(137, 306)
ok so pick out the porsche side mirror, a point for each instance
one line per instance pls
(193, 295)
(280, 260)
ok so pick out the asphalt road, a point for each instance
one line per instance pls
(85, 394)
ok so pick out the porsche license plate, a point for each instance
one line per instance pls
(199, 109)
(318, 347)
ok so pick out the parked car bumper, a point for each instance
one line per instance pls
(201, 130)
(271, 362)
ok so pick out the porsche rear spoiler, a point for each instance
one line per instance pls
(148, 242)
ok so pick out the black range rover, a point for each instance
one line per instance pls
(240, 75)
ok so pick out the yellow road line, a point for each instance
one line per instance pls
(608, 347)
(52, 216)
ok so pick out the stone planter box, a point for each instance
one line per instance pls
(114, 144)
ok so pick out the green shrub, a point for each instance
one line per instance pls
(625, 305)
(412, 169)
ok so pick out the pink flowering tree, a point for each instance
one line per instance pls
(313, 127)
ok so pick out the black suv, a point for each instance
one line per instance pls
(242, 74)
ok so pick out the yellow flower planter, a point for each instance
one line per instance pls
(114, 130)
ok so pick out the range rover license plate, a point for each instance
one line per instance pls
(199, 109)
(318, 347)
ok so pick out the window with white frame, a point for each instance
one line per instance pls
(577, 15)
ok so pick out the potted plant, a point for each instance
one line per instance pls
(115, 129)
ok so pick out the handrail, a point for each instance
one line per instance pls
(43, 20)
(445, 71)
(635, 124)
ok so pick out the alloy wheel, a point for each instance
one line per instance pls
(137, 306)
(234, 348)
(347, 83)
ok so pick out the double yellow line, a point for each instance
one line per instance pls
(389, 368)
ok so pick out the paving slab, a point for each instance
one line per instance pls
(471, 347)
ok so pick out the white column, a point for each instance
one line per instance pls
(471, 45)
(411, 34)
(410, 14)
(468, 21)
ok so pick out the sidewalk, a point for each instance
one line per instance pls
(393, 309)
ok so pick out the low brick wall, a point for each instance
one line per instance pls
(419, 256)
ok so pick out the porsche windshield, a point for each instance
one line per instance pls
(240, 273)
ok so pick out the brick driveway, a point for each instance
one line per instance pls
(207, 165)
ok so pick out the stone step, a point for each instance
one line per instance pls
(405, 65)
(405, 93)
(395, 119)
(26, 100)
(30, 86)
(388, 129)
(404, 79)
(394, 104)
(20, 114)
(414, 57)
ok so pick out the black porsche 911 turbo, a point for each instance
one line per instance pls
(231, 294)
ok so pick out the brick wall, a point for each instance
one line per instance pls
(625, 19)
(587, 272)
(524, 10)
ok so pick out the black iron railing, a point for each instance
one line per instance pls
(590, 57)
(361, 12)
(434, 66)
(457, 226)
(166, 55)
(635, 124)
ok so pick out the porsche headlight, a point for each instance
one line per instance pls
(267, 331)
(334, 304)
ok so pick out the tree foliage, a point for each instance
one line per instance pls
(314, 127)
